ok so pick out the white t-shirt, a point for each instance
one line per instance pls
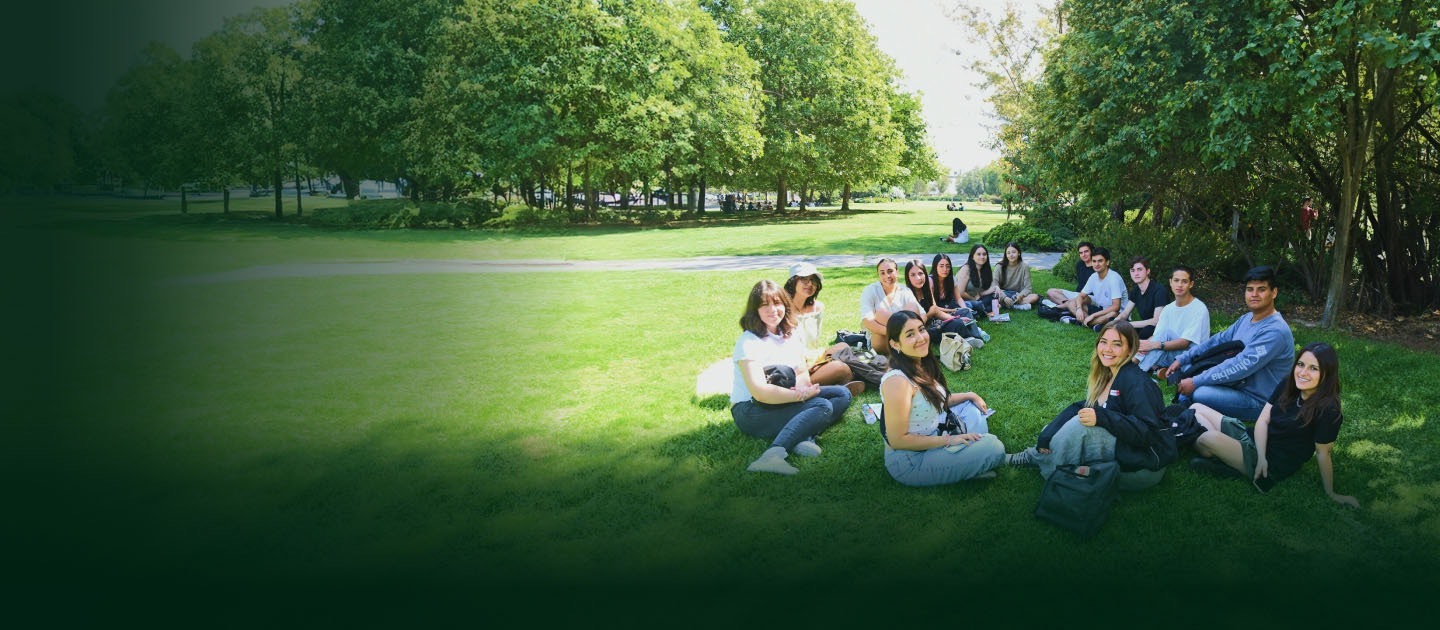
(769, 350)
(873, 297)
(1102, 292)
(807, 326)
(1191, 321)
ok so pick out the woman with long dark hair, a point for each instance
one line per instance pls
(938, 318)
(1119, 416)
(919, 283)
(787, 408)
(1012, 276)
(977, 285)
(1301, 419)
(932, 436)
(942, 280)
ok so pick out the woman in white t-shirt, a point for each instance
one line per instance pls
(932, 436)
(802, 290)
(788, 414)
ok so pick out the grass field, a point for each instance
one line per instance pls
(541, 428)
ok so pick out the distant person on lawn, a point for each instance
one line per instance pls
(1101, 298)
(881, 299)
(1147, 297)
(1239, 386)
(1012, 275)
(1184, 322)
(932, 436)
(1302, 418)
(959, 232)
(1083, 271)
(789, 416)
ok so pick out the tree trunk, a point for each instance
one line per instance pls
(227, 200)
(299, 207)
(781, 194)
(184, 201)
(1354, 147)
(350, 184)
(845, 199)
(569, 188)
(277, 183)
(700, 204)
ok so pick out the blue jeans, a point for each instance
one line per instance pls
(1227, 400)
(938, 466)
(1158, 359)
(790, 424)
(985, 304)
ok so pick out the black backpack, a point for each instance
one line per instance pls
(1051, 313)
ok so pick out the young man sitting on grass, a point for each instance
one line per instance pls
(1058, 296)
(1182, 323)
(1101, 298)
(1241, 386)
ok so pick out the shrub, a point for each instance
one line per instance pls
(1189, 245)
(377, 214)
(1028, 237)
(521, 215)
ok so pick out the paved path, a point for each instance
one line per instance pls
(1038, 260)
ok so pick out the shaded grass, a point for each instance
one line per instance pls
(542, 428)
(867, 228)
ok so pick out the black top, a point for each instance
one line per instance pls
(1082, 273)
(1145, 303)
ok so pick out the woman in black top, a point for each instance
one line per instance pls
(1302, 419)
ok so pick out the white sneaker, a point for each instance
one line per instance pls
(1000, 318)
(773, 461)
(975, 343)
(808, 448)
(1023, 307)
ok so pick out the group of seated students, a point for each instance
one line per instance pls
(933, 435)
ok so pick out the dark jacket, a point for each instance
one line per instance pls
(1132, 415)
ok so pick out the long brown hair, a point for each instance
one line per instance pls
(925, 371)
(766, 292)
(1327, 393)
(1100, 376)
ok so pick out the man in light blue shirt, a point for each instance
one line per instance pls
(1240, 386)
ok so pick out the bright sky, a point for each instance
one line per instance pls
(79, 47)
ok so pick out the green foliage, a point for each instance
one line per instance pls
(521, 215)
(1028, 237)
(391, 214)
(1190, 245)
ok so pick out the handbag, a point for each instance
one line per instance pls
(1078, 497)
(954, 352)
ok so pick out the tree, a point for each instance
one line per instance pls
(147, 125)
(252, 84)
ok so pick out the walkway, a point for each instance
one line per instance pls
(1038, 260)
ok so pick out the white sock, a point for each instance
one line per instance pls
(773, 460)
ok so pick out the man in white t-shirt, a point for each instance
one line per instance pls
(1183, 323)
(1101, 298)
(880, 299)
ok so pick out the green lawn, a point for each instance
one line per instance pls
(901, 227)
(542, 428)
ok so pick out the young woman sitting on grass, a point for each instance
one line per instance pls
(790, 415)
(942, 280)
(1302, 419)
(940, 319)
(801, 291)
(920, 449)
(977, 285)
(919, 283)
(1121, 410)
(1012, 276)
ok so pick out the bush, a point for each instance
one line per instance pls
(1029, 238)
(520, 215)
(1189, 245)
(377, 214)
